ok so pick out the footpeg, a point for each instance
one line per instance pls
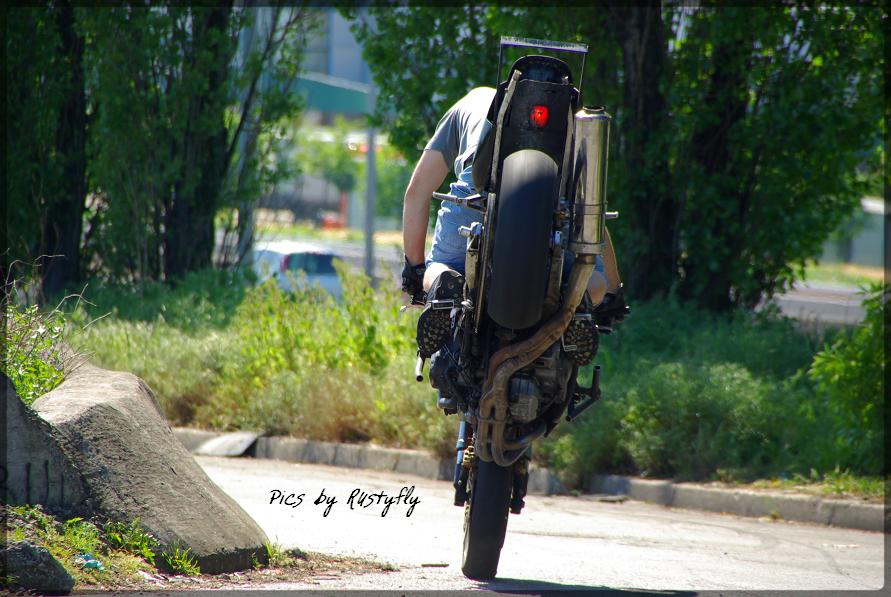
(584, 398)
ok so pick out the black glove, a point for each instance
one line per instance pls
(413, 282)
(613, 308)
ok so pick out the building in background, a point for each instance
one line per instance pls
(335, 82)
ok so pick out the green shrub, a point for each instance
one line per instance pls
(286, 363)
(686, 393)
(850, 375)
(687, 421)
(32, 352)
(696, 395)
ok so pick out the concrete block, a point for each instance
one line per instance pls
(543, 482)
(192, 438)
(38, 468)
(417, 463)
(319, 452)
(348, 455)
(228, 444)
(803, 508)
(446, 469)
(290, 449)
(133, 467)
(382, 459)
(857, 515)
(706, 498)
(609, 484)
(654, 492)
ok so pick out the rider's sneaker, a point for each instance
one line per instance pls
(613, 308)
(434, 324)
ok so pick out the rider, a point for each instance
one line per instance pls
(440, 274)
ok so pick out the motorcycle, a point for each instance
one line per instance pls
(523, 326)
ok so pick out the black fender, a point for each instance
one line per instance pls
(527, 197)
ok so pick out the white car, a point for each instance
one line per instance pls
(280, 258)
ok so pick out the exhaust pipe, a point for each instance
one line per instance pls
(590, 150)
(589, 183)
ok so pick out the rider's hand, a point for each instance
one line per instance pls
(413, 281)
(613, 308)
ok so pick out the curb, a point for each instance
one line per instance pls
(741, 502)
(745, 502)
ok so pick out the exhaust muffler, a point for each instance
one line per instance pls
(590, 150)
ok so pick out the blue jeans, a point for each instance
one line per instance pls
(449, 247)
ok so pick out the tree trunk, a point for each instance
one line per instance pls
(189, 238)
(640, 32)
(708, 277)
(63, 225)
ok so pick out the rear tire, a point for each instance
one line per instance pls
(485, 519)
(521, 252)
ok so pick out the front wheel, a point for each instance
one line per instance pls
(485, 519)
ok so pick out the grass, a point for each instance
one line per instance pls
(68, 539)
(279, 557)
(843, 274)
(836, 484)
(132, 539)
(179, 560)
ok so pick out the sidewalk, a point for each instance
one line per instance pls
(847, 513)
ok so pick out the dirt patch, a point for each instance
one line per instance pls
(135, 567)
(311, 567)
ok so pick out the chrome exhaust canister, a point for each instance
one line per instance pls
(590, 149)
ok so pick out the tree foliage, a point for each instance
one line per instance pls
(737, 130)
(179, 114)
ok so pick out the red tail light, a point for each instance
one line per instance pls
(539, 116)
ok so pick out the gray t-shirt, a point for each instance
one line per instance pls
(457, 136)
(459, 133)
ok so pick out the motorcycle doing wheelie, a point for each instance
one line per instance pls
(523, 326)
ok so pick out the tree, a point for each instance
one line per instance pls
(182, 128)
(650, 240)
(775, 108)
(46, 141)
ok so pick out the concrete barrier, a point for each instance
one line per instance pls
(132, 466)
(37, 468)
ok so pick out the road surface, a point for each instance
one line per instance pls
(835, 305)
(556, 543)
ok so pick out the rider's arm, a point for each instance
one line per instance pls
(429, 173)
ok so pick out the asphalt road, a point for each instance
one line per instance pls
(835, 305)
(556, 543)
